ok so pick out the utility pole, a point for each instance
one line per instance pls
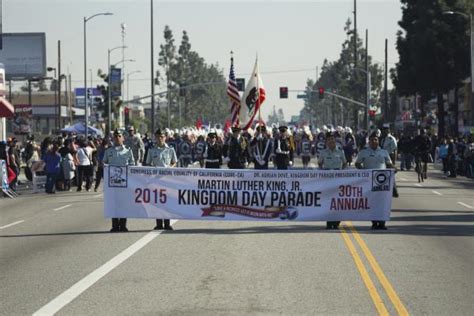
(355, 33)
(152, 71)
(366, 113)
(385, 86)
(58, 126)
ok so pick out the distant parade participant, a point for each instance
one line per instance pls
(200, 148)
(236, 150)
(306, 148)
(389, 143)
(261, 148)
(350, 145)
(161, 155)
(135, 143)
(374, 157)
(185, 151)
(213, 152)
(119, 155)
(320, 142)
(283, 150)
(332, 158)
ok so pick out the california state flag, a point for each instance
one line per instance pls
(252, 99)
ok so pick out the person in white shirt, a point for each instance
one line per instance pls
(85, 167)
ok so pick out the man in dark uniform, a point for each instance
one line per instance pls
(236, 150)
(283, 150)
(200, 148)
(185, 151)
(261, 148)
(213, 152)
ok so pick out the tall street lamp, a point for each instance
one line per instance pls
(120, 113)
(109, 98)
(471, 35)
(128, 81)
(55, 95)
(86, 103)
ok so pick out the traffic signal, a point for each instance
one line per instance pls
(321, 93)
(283, 92)
(126, 112)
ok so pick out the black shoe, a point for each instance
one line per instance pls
(168, 227)
(114, 230)
(123, 229)
(79, 190)
(395, 193)
(158, 227)
(375, 225)
(382, 227)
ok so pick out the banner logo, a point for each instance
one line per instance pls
(118, 177)
(381, 180)
(284, 213)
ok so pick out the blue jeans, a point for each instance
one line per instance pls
(51, 182)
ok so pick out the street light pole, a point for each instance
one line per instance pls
(86, 103)
(369, 84)
(128, 81)
(119, 118)
(109, 98)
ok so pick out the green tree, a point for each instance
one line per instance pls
(434, 52)
(340, 77)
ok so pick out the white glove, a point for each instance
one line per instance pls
(291, 163)
(246, 164)
(226, 160)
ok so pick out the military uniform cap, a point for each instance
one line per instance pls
(117, 132)
(261, 128)
(283, 129)
(159, 131)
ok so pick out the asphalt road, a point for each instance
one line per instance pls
(57, 256)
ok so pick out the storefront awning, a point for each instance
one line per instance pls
(6, 108)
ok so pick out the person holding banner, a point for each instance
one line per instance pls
(119, 155)
(212, 152)
(161, 155)
(236, 150)
(283, 149)
(374, 157)
(262, 148)
(332, 158)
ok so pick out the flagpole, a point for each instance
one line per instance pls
(258, 91)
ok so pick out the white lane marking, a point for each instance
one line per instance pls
(98, 195)
(418, 184)
(436, 192)
(10, 225)
(62, 207)
(77, 289)
(466, 205)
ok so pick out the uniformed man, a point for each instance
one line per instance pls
(236, 150)
(283, 149)
(332, 158)
(374, 157)
(135, 143)
(212, 152)
(161, 155)
(119, 155)
(261, 148)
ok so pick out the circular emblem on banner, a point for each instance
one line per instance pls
(381, 180)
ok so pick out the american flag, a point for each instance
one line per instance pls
(233, 93)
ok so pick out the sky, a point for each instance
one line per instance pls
(291, 38)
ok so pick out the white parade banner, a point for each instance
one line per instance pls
(257, 195)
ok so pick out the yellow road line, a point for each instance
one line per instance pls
(364, 274)
(379, 273)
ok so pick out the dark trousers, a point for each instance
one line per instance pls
(51, 182)
(159, 222)
(84, 173)
(119, 223)
(98, 176)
